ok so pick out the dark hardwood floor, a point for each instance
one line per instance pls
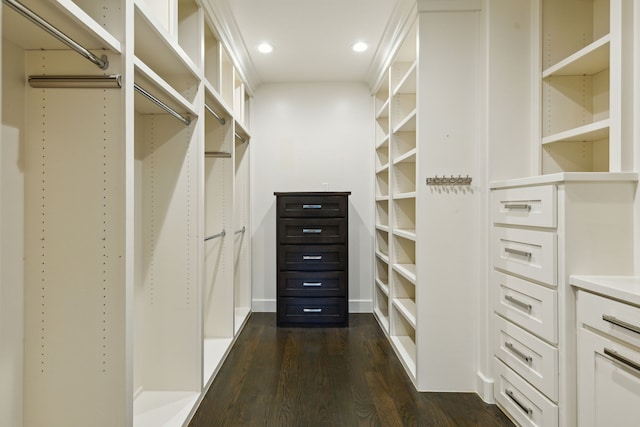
(327, 377)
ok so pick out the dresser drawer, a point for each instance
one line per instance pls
(306, 311)
(312, 283)
(530, 206)
(521, 400)
(529, 305)
(320, 206)
(612, 317)
(532, 358)
(312, 231)
(527, 253)
(312, 257)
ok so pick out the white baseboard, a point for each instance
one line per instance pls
(485, 388)
(269, 306)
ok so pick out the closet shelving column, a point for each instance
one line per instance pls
(71, 156)
(403, 278)
(167, 377)
(586, 57)
(381, 294)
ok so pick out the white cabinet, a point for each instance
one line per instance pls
(545, 228)
(128, 311)
(608, 356)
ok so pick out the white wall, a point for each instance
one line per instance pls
(304, 135)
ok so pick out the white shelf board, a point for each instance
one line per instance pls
(408, 124)
(382, 319)
(382, 198)
(406, 349)
(407, 308)
(241, 316)
(408, 157)
(214, 352)
(384, 142)
(154, 84)
(383, 111)
(587, 133)
(588, 61)
(408, 195)
(384, 287)
(382, 227)
(382, 257)
(163, 408)
(383, 168)
(408, 271)
(406, 233)
(407, 83)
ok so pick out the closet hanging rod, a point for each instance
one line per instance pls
(102, 62)
(240, 138)
(223, 154)
(91, 82)
(214, 114)
(185, 120)
(215, 236)
(242, 230)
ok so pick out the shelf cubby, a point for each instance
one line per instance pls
(404, 78)
(404, 215)
(381, 308)
(190, 27)
(382, 154)
(382, 271)
(381, 97)
(382, 242)
(382, 183)
(226, 78)
(404, 252)
(403, 143)
(407, 123)
(404, 177)
(212, 59)
(403, 338)
(403, 108)
(382, 213)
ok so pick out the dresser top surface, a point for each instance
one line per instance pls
(623, 288)
(313, 193)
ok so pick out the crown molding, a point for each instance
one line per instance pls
(220, 16)
(398, 26)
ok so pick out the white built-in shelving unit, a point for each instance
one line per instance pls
(585, 59)
(136, 210)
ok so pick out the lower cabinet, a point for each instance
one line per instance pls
(312, 259)
(608, 360)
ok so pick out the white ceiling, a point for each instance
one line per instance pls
(312, 39)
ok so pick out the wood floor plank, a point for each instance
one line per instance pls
(327, 377)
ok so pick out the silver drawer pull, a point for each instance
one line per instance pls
(517, 302)
(312, 230)
(312, 310)
(311, 206)
(510, 395)
(625, 361)
(311, 257)
(519, 206)
(518, 252)
(621, 323)
(518, 353)
(311, 284)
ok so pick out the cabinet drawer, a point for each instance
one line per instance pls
(312, 284)
(529, 305)
(523, 402)
(612, 317)
(312, 257)
(531, 254)
(319, 206)
(531, 206)
(305, 311)
(312, 231)
(532, 358)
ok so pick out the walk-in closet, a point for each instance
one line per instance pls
(485, 154)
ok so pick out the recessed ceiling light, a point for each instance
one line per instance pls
(265, 48)
(359, 47)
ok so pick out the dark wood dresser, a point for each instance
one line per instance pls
(313, 251)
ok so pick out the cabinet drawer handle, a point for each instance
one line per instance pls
(517, 302)
(311, 206)
(621, 323)
(518, 206)
(312, 230)
(625, 361)
(510, 395)
(312, 310)
(311, 284)
(311, 257)
(518, 353)
(518, 252)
